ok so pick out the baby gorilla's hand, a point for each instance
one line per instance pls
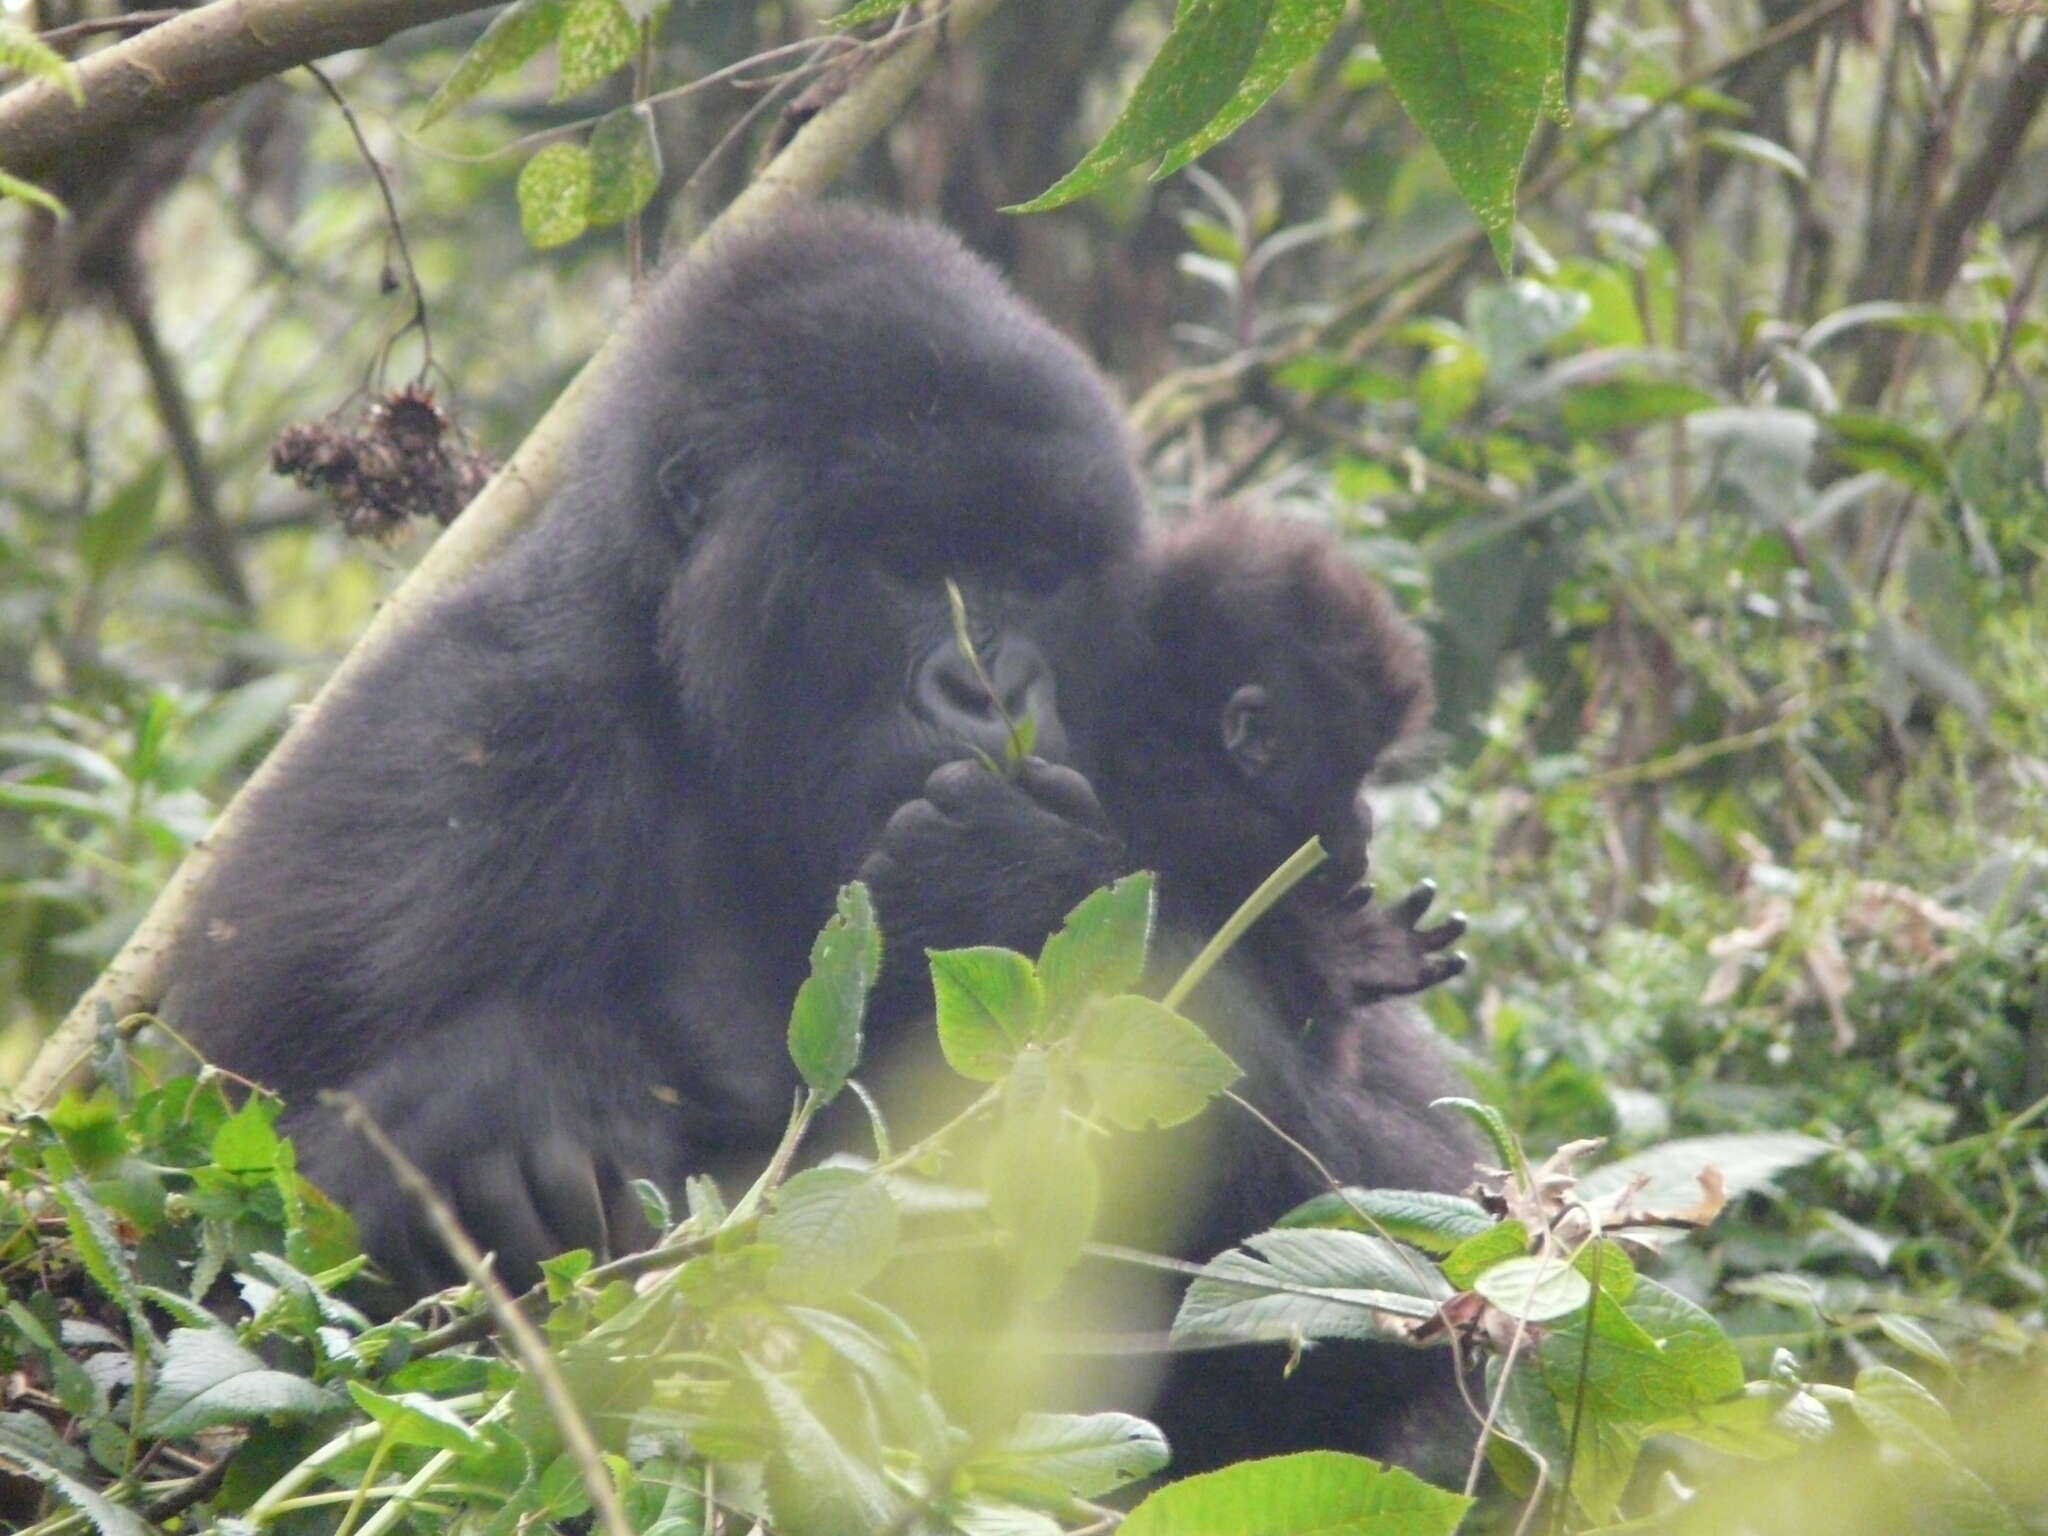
(1383, 953)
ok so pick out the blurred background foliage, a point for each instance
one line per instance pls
(1726, 512)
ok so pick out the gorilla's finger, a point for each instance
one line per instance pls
(1062, 790)
(1442, 968)
(955, 786)
(568, 1193)
(496, 1208)
(1443, 935)
(912, 819)
(1357, 899)
(1411, 907)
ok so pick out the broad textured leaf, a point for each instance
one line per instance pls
(1146, 1065)
(814, 1482)
(1534, 1286)
(1477, 1254)
(835, 1229)
(515, 35)
(625, 164)
(597, 38)
(1198, 70)
(825, 1022)
(1475, 75)
(1314, 1493)
(1311, 1284)
(1421, 1218)
(1655, 1358)
(206, 1379)
(1295, 33)
(1081, 1455)
(554, 196)
(1621, 405)
(1763, 451)
(1101, 947)
(1512, 322)
(989, 1003)
(27, 1440)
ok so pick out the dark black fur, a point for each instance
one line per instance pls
(539, 886)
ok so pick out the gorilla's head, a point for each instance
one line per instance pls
(820, 424)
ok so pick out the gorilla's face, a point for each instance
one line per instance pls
(849, 686)
(836, 432)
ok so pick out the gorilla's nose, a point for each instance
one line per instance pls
(949, 694)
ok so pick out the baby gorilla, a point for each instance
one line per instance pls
(1276, 673)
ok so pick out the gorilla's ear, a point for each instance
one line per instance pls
(681, 499)
(1247, 736)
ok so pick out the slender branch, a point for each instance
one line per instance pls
(191, 59)
(808, 163)
(206, 533)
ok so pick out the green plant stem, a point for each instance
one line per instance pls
(272, 1500)
(1300, 864)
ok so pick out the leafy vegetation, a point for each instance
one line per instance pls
(1726, 507)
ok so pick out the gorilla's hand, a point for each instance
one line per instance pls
(982, 859)
(529, 1149)
(1381, 952)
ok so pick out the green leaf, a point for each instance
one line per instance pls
(814, 1482)
(247, 1142)
(1101, 947)
(1656, 1358)
(1312, 1284)
(1198, 71)
(1043, 1185)
(1421, 1218)
(29, 192)
(1475, 75)
(515, 35)
(413, 1418)
(99, 1250)
(1888, 313)
(1073, 1455)
(597, 37)
(863, 13)
(1534, 1286)
(22, 51)
(1750, 146)
(1513, 322)
(625, 164)
(834, 1230)
(1146, 1065)
(116, 532)
(1295, 33)
(989, 1004)
(207, 1379)
(1864, 441)
(27, 1440)
(1313, 1493)
(825, 1022)
(1622, 405)
(1480, 1252)
(554, 196)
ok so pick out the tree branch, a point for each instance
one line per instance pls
(201, 54)
(134, 980)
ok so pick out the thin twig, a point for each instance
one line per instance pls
(518, 1329)
(397, 226)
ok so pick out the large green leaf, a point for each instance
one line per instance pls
(1197, 73)
(1314, 1493)
(1146, 1065)
(989, 1002)
(1295, 33)
(515, 35)
(1101, 947)
(1475, 75)
(206, 1379)
(825, 1022)
(834, 1230)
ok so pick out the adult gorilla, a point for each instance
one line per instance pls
(540, 885)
